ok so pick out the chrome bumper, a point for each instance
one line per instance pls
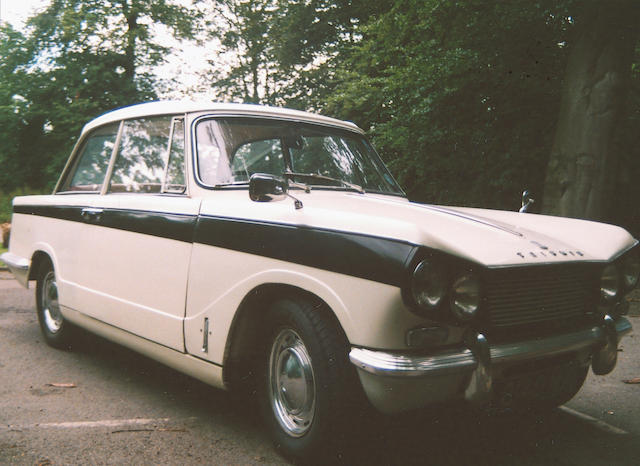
(19, 267)
(422, 380)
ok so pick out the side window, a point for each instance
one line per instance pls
(174, 180)
(142, 156)
(91, 168)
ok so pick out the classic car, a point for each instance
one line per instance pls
(265, 249)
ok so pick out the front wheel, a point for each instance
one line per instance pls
(56, 330)
(307, 382)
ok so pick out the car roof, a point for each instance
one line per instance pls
(178, 107)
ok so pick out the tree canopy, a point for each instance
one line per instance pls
(464, 99)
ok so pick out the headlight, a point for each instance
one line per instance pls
(609, 283)
(428, 285)
(630, 269)
(465, 297)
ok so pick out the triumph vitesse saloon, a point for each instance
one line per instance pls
(254, 245)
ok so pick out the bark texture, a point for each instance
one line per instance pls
(583, 159)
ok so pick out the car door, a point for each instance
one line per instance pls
(141, 242)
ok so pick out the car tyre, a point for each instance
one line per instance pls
(307, 394)
(57, 331)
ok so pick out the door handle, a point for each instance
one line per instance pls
(91, 214)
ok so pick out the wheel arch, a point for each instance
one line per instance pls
(242, 344)
(38, 258)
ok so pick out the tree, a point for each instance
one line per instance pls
(282, 52)
(79, 58)
(460, 97)
(584, 158)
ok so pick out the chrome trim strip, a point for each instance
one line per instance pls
(19, 266)
(381, 363)
(406, 365)
(15, 262)
(550, 346)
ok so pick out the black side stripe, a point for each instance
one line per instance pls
(161, 224)
(373, 258)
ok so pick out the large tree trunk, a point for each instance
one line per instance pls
(583, 159)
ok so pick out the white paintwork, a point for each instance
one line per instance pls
(371, 314)
(184, 106)
(201, 370)
(153, 294)
(138, 282)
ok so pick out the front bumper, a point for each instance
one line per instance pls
(19, 267)
(396, 382)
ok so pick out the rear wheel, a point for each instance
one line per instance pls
(307, 382)
(56, 330)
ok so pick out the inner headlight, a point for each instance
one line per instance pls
(609, 283)
(428, 285)
(465, 297)
(630, 269)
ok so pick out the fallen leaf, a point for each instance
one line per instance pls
(61, 385)
(633, 381)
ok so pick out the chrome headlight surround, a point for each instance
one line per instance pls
(465, 297)
(620, 276)
(443, 288)
(630, 269)
(428, 284)
(610, 283)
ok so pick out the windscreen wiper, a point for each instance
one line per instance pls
(316, 176)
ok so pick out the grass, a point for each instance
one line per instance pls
(1, 251)
(6, 199)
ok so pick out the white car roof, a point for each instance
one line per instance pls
(180, 107)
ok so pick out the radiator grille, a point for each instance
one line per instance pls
(533, 295)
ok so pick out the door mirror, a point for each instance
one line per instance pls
(267, 188)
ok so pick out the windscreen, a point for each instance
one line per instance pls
(230, 150)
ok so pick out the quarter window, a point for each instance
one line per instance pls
(174, 180)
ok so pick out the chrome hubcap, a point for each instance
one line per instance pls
(50, 307)
(292, 386)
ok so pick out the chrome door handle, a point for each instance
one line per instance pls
(91, 214)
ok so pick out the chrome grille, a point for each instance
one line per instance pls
(531, 295)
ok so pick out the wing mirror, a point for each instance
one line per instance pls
(527, 201)
(266, 188)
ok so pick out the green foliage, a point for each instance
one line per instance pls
(6, 199)
(78, 59)
(461, 105)
(282, 52)
(461, 98)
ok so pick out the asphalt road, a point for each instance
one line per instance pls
(122, 408)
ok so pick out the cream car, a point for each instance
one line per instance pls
(270, 249)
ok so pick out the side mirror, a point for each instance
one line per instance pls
(266, 188)
(527, 200)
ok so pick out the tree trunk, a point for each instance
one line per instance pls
(583, 158)
(131, 14)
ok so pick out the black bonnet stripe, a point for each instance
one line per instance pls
(378, 259)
